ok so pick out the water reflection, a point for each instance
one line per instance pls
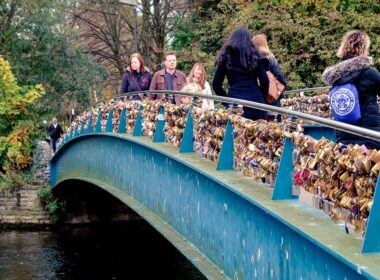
(131, 250)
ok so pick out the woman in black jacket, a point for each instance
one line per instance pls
(356, 68)
(239, 60)
(260, 42)
(137, 76)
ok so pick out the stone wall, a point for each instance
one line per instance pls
(22, 207)
(41, 163)
(85, 203)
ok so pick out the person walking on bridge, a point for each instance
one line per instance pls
(356, 68)
(137, 77)
(240, 61)
(55, 131)
(168, 79)
(261, 43)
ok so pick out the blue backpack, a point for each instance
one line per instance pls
(344, 101)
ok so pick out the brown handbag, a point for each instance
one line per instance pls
(275, 88)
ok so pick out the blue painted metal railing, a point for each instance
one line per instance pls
(282, 187)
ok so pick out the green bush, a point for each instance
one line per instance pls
(50, 204)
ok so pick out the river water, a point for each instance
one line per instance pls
(131, 250)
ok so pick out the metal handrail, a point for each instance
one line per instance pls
(363, 132)
(306, 90)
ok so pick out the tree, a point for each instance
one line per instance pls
(107, 29)
(41, 47)
(15, 115)
(303, 35)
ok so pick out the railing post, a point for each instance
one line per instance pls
(89, 126)
(319, 131)
(226, 156)
(82, 131)
(71, 134)
(283, 184)
(67, 138)
(109, 127)
(159, 135)
(371, 243)
(98, 127)
(76, 131)
(188, 137)
(123, 122)
(137, 130)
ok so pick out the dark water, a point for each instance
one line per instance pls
(125, 251)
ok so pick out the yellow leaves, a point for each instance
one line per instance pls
(13, 98)
(17, 146)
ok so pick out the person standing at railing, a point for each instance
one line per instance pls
(260, 41)
(137, 77)
(198, 75)
(168, 79)
(240, 61)
(356, 69)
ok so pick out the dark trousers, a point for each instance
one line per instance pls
(54, 143)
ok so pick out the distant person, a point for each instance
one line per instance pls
(260, 41)
(137, 77)
(168, 79)
(240, 61)
(72, 114)
(356, 68)
(198, 75)
(54, 131)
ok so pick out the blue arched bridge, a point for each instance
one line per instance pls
(226, 224)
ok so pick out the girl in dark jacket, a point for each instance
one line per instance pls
(260, 42)
(239, 60)
(356, 68)
(137, 76)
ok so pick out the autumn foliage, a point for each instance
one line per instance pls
(16, 120)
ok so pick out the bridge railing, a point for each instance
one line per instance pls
(331, 171)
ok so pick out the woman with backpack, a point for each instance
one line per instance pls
(354, 73)
(137, 77)
(260, 41)
(240, 61)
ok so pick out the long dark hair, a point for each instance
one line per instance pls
(239, 42)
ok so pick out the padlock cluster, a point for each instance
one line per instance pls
(258, 148)
(209, 129)
(150, 111)
(175, 121)
(317, 105)
(342, 178)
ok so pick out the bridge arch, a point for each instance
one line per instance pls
(226, 225)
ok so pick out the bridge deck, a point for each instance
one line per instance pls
(306, 220)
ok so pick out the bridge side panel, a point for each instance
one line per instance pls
(237, 236)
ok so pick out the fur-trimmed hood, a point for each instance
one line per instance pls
(337, 71)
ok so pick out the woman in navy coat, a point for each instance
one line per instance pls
(137, 77)
(239, 60)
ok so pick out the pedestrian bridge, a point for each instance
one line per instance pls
(226, 224)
